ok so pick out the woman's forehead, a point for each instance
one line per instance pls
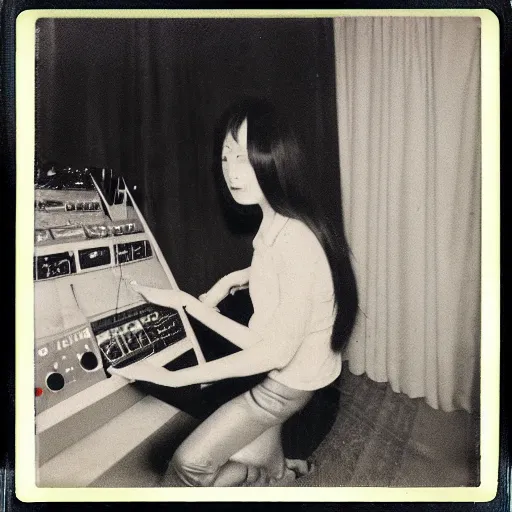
(231, 144)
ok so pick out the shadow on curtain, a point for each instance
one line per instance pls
(409, 137)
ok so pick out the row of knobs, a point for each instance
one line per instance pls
(55, 380)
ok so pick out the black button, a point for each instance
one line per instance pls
(89, 361)
(55, 381)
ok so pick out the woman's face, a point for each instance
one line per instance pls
(238, 171)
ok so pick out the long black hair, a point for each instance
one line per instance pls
(279, 164)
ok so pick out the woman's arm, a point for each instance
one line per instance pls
(271, 349)
(238, 334)
(223, 287)
(276, 345)
(241, 276)
(260, 358)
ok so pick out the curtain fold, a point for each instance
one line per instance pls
(408, 97)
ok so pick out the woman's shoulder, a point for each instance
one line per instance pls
(298, 238)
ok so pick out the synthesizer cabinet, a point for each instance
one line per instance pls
(90, 241)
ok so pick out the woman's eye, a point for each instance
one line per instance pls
(242, 158)
(224, 158)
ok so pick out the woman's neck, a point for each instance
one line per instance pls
(268, 212)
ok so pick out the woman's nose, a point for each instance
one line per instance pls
(233, 175)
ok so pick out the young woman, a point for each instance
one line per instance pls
(304, 295)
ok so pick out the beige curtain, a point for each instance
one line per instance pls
(409, 125)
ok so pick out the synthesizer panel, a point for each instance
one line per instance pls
(90, 241)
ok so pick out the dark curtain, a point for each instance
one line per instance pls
(143, 97)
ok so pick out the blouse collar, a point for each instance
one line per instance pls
(269, 236)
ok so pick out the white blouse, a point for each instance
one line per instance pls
(291, 289)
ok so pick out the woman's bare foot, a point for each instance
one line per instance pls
(287, 479)
(299, 467)
(294, 468)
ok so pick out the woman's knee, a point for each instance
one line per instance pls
(191, 471)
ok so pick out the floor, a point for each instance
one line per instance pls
(382, 438)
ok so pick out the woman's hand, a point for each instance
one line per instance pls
(221, 289)
(163, 297)
(146, 372)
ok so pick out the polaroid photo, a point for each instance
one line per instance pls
(261, 249)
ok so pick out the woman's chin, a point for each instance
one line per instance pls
(245, 201)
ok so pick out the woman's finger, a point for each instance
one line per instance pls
(119, 373)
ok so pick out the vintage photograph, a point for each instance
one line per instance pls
(257, 252)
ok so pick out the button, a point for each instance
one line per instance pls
(89, 361)
(39, 391)
(55, 381)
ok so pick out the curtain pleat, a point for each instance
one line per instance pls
(409, 137)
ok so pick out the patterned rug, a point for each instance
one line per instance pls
(372, 441)
(368, 438)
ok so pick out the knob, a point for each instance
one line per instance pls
(55, 381)
(89, 361)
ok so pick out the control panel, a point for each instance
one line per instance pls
(78, 260)
(66, 365)
(72, 362)
(89, 240)
(126, 337)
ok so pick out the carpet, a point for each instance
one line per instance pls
(385, 439)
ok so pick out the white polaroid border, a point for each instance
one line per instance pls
(26, 489)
